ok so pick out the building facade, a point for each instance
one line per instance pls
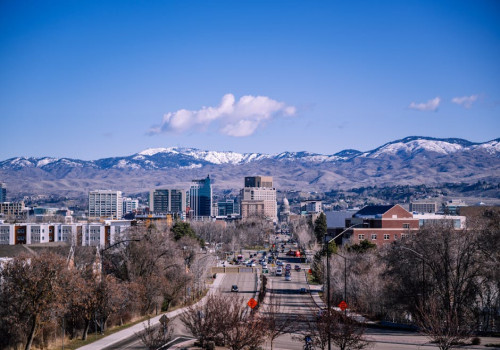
(258, 198)
(16, 209)
(3, 192)
(380, 224)
(200, 198)
(423, 207)
(88, 234)
(167, 201)
(105, 204)
(311, 206)
(129, 205)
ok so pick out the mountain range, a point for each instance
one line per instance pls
(412, 160)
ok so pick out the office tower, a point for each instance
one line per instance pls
(105, 204)
(200, 197)
(226, 207)
(258, 198)
(3, 192)
(167, 200)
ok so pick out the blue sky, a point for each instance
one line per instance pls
(93, 79)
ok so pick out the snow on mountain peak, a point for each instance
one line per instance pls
(153, 151)
(414, 145)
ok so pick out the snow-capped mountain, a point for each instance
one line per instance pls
(412, 159)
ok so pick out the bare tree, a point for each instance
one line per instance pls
(442, 326)
(154, 337)
(225, 321)
(33, 289)
(343, 332)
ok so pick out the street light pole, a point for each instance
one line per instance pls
(328, 275)
(423, 270)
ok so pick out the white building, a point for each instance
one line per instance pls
(433, 219)
(129, 205)
(82, 234)
(311, 206)
(105, 204)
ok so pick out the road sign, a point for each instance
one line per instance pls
(252, 303)
(343, 305)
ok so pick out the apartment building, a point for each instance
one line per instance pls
(82, 234)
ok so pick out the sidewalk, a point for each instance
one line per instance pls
(126, 333)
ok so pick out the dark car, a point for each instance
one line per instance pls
(297, 268)
(234, 288)
(303, 291)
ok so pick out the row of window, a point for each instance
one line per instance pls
(387, 236)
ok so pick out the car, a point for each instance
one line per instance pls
(234, 288)
(288, 277)
(297, 268)
(288, 267)
(279, 263)
(302, 291)
(279, 271)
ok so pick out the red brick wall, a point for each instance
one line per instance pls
(394, 234)
(399, 211)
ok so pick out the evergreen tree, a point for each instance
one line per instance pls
(320, 228)
(182, 229)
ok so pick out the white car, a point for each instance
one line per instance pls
(279, 271)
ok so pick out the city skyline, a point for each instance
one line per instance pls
(91, 80)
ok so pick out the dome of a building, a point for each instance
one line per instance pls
(286, 204)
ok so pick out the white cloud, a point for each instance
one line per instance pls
(431, 105)
(234, 118)
(465, 101)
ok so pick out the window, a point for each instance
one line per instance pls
(361, 237)
(406, 225)
(387, 237)
(395, 236)
(404, 235)
(374, 236)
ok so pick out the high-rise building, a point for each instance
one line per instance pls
(259, 181)
(105, 204)
(200, 198)
(226, 207)
(258, 198)
(167, 200)
(3, 192)
(129, 205)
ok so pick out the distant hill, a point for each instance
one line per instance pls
(412, 160)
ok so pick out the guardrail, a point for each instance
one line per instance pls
(233, 269)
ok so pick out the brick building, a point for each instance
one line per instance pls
(380, 224)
